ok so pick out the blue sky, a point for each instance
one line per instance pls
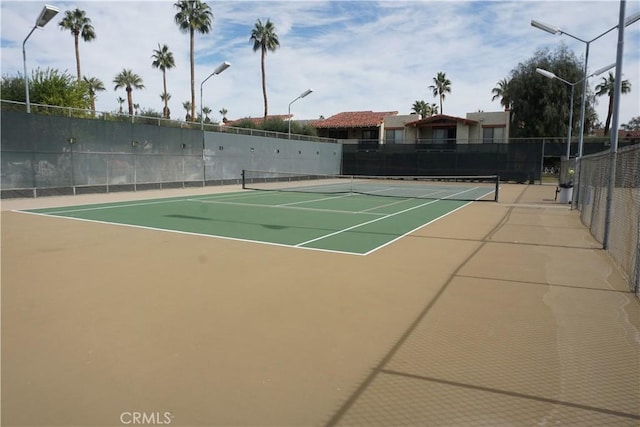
(355, 55)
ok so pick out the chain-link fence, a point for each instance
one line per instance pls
(624, 233)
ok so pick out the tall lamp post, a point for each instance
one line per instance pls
(46, 15)
(217, 71)
(551, 75)
(302, 95)
(556, 30)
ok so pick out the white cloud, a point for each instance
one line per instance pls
(355, 55)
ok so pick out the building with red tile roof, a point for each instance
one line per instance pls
(354, 125)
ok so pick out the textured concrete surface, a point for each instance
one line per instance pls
(499, 314)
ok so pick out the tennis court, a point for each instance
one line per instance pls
(330, 213)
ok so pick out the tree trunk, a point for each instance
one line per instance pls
(130, 100)
(166, 101)
(609, 114)
(193, 78)
(264, 83)
(75, 40)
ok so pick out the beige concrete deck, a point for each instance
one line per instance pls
(501, 314)
(535, 328)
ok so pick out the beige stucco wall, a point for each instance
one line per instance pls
(399, 122)
(491, 118)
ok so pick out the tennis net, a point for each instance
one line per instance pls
(464, 188)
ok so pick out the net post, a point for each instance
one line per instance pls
(495, 199)
(243, 180)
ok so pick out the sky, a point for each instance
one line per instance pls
(355, 55)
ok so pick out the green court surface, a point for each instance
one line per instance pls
(344, 223)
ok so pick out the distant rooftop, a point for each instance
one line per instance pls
(354, 119)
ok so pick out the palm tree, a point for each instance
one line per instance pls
(224, 112)
(188, 107)
(264, 39)
(607, 87)
(80, 25)
(192, 16)
(94, 85)
(502, 91)
(120, 101)
(206, 111)
(432, 109)
(419, 107)
(166, 112)
(441, 86)
(129, 81)
(163, 60)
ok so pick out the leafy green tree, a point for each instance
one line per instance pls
(79, 24)
(93, 85)
(502, 91)
(246, 123)
(634, 124)
(192, 16)
(539, 105)
(440, 87)
(128, 80)
(264, 39)
(163, 60)
(46, 87)
(149, 112)
(607, 87)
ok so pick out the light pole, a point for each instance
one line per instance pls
(556, 30)
(217, 71)
(46, 15)
(551, 75)
(302, 95)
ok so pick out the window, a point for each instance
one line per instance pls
(440, 134)
(394, 136)
(493, 135)
(370, 135)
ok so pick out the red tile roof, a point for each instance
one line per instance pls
(442, 118)
(354, 119)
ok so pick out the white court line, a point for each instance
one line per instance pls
(285, 206)
(372, 221)
(115, 205)
(189, 233)
(415, 229)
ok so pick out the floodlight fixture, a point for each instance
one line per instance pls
(217, 71)
(302, 95)
(547, 74)
(602, 70)
(545, 27)
(46, 15)
(221, 67)
(633, 18)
